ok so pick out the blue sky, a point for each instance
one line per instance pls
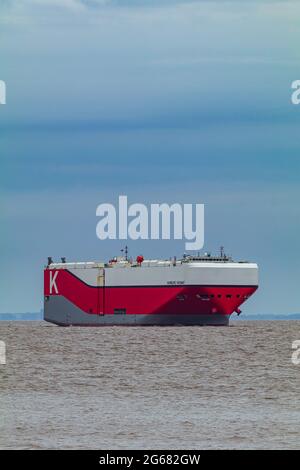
(172, 101)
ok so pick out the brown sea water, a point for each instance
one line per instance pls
(150, 387)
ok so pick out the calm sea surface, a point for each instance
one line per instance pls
(150, 387)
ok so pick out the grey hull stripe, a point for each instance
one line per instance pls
(62, 312)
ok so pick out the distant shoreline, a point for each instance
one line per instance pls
(292, 316)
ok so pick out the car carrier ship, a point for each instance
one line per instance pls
(194, 290)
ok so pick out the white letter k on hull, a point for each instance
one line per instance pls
(52, 282)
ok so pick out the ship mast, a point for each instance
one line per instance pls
(126, 252)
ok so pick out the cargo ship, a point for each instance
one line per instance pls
(194, 290)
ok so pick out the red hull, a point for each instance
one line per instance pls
(147, 300)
